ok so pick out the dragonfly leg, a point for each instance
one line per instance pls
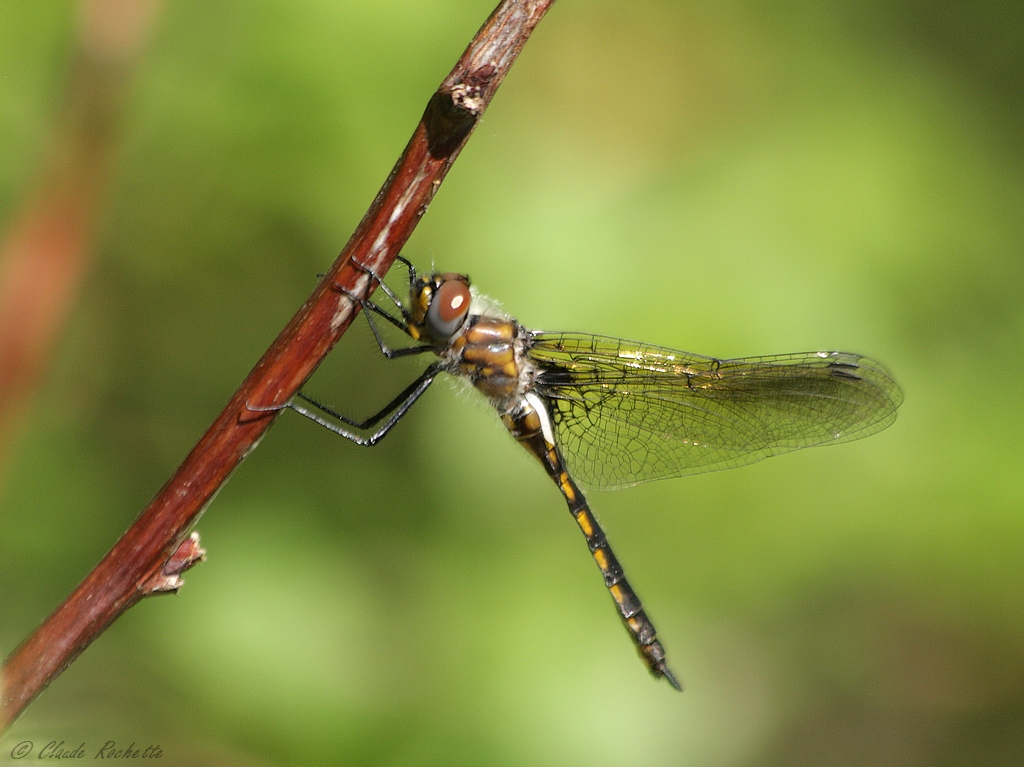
(333, 420)
(529, 426)
(384, 286)
(370, 308)
(393, 412)
(386, 350)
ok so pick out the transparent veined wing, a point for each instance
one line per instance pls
(627, 412)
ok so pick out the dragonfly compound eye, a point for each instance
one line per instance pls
(448, 309)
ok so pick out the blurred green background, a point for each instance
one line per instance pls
(730, 178)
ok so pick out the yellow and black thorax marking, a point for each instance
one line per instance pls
(486, 354)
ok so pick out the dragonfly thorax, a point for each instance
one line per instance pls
(490, 354)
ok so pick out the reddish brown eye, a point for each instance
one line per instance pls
(448, 309)
(452, 300)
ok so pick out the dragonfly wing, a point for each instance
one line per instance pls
(627, 413)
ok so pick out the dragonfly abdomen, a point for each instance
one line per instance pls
(530, 424)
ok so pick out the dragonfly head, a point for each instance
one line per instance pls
(439, 305)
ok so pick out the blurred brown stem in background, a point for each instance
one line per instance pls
(150, 556)
(44, 254)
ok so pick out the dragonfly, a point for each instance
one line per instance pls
(609, 413)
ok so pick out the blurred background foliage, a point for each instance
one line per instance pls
(730, 178)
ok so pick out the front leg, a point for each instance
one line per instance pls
(369, 308)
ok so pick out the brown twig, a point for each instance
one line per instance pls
(150, 556)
